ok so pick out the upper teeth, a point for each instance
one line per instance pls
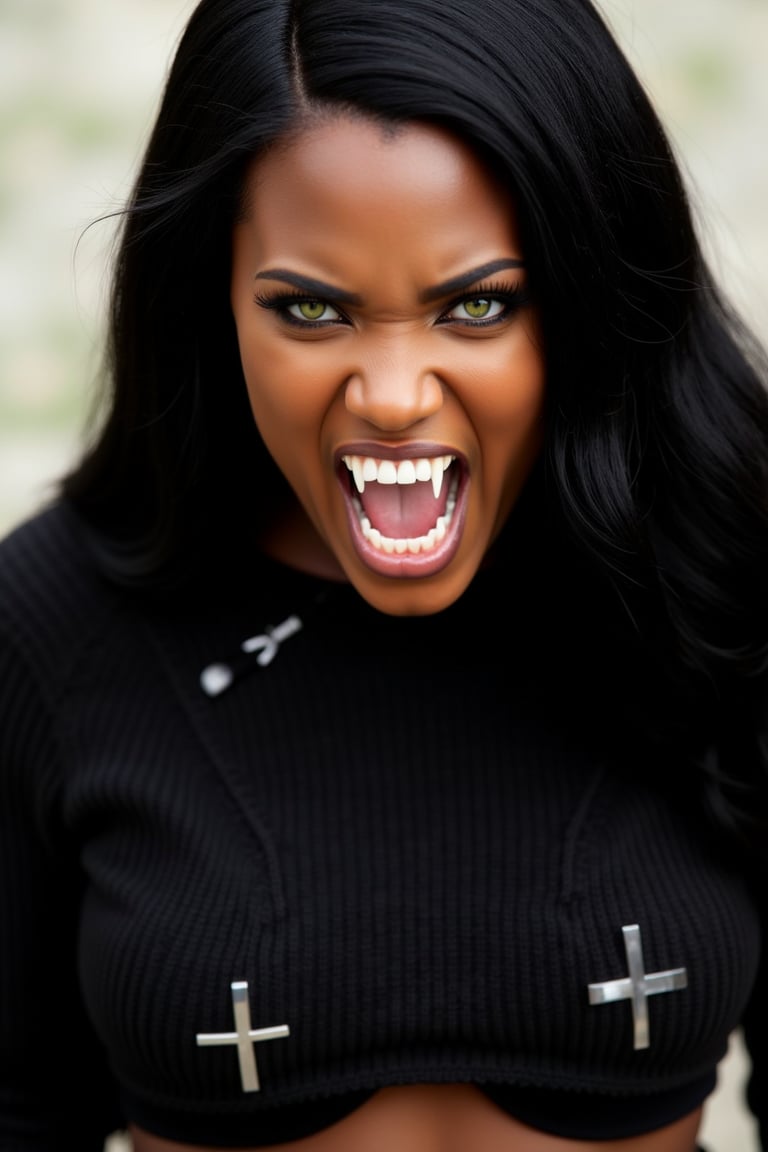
(366, 469)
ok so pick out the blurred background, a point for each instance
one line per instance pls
(79, 84)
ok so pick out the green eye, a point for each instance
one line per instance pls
(300, 310)
(478, 308)
(310, 309)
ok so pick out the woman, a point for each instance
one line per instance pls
(383, 757)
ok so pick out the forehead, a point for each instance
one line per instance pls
(331, 150)
(351, 176)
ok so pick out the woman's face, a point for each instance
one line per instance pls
(393, 364)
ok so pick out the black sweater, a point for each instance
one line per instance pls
(400, 833)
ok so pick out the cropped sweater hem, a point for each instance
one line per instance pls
(586, 1115)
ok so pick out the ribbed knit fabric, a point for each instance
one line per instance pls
(406, 839)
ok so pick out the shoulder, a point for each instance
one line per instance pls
(50, 533)
(62, 621)
(39, 554)
(52, 597)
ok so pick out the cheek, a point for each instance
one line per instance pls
(511, 432)
(507, 401)
(287, 396)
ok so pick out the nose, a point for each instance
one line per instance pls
(394, 386)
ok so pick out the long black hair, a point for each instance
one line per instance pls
(655, 472)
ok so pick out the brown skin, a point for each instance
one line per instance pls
(445, 1118)
(385, 217)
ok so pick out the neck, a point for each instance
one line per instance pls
(293, 540)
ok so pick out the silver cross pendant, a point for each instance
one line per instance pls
(244, 1036)
(638, 986)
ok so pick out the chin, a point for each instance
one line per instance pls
(411, 596)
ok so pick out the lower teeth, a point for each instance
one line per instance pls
(412, 544)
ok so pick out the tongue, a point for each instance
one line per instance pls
(403, 510)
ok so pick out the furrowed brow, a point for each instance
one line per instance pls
(310, 285)
(467, 279)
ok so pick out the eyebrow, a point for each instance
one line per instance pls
(310, 285)
(314, 287)
(467, 279)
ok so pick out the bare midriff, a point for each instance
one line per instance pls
(444, 1118)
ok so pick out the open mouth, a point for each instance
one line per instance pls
(404, 512)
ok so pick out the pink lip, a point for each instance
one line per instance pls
(409, 451)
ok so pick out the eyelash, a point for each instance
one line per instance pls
(512, 296)
(280, 302)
